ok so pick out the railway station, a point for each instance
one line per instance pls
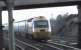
(37, 28)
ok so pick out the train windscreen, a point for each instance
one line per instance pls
(41, 24)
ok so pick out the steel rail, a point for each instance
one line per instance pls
(65, 46)
(28, 44)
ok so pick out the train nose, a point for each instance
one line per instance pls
(43, 30)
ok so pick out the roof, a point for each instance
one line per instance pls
(21, 4)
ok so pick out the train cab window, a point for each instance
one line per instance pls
(41, 24)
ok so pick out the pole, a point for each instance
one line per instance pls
(10, 6)
(1, 30)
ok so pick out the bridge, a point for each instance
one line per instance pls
(24, 4)
(10, 5)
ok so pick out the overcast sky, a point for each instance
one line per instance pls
(47, 12)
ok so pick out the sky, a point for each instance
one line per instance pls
(50, 12)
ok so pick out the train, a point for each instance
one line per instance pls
(37, 28)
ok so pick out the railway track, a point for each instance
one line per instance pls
(68, 43)
(26, 46)
(29, 44)
(20, 45)
(64, 47)
(50, 45)
(42, 46)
